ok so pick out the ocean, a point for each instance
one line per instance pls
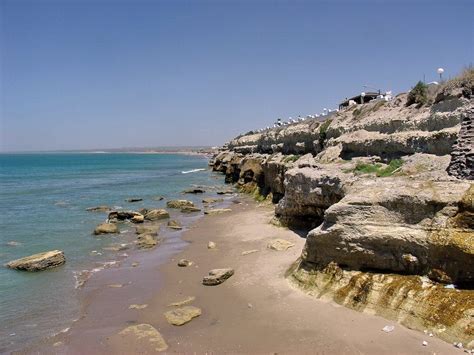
(43, 201)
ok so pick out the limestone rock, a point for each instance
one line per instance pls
(178, 204)
(217, 276)
(39, 262)
(184, 263)
(183, 315)
(280, 245)
(211, 245)
(106, 228)
(215, 211)
(144, 336)
(399, 225)
(146, 241)
(157, 214)
(173, 224)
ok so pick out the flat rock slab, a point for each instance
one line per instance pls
(39, 262)
(142, 336)
(106, 228)
(217, 276)
(217, 211)
(183, 315)
(280, 245)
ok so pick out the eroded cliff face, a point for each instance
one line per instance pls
(385, 192)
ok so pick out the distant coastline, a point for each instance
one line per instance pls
(198, 150)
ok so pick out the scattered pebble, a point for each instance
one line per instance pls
(211, 245)
(115, 285)
(247, 252)
(137, 306)
(425, 343)
(388, 328)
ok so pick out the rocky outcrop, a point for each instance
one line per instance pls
(389, 224)
(39, 262)
(413, 301)
(462, 155)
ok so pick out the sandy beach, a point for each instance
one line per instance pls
(254, 311)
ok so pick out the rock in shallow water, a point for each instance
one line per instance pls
(217, 276)
(147, 229)
(106, 228)
(98, 209)
(180, 316)
(39, 262)
(179, 204)
(146, 241)
(173, 224)
(153, 215)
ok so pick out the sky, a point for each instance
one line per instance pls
(91, 74)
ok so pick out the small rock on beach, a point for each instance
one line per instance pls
(184, 263)
(178, 204)
(211, 245)
(217, 276)
(180, 316)
(153, 215)
(280, 245)
(217, 211)
(183, 302)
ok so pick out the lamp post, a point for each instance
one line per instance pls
(440, 71)
(362, 95)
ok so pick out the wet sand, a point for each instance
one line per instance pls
(255, 311)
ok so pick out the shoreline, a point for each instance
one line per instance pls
(256, 310)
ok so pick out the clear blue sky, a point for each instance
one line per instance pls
(98, 74)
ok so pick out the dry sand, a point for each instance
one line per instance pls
(254, 311)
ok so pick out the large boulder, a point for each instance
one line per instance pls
(399, 225)
(39, 262)
(106, 228)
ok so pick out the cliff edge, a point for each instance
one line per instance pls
(385, 193)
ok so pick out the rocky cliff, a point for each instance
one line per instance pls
(385, 192)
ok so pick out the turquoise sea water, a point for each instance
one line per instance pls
(43, 198)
